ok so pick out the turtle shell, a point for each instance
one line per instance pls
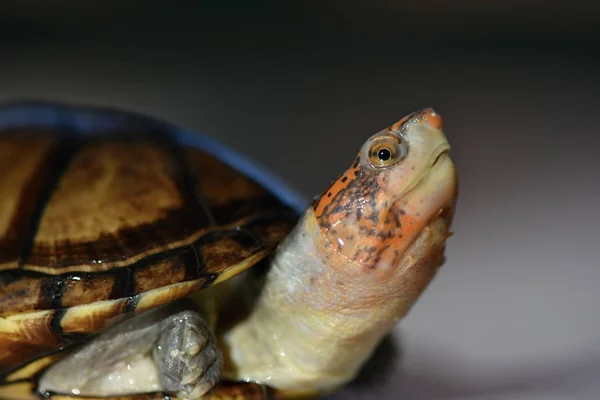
(105, 214)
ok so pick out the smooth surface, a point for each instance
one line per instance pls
(514, 312)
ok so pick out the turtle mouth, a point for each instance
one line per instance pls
(440, 151)
(436, 166)
(438, 157)
(443, 152)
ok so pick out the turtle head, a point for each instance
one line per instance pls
(401, 182)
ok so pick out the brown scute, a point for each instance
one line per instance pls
(19, 293)
(22, 179)
(116, 200)
(88, 320)
(272, 230)
(25, 338)
(167, 272)
(169, 294)
(86, 288)
(229, 194)
(229, 250)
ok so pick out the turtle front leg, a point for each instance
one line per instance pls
(164, 349)
(187, 358)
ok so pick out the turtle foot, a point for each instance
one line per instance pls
(187, 357)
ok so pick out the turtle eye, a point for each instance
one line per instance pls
(386, 151)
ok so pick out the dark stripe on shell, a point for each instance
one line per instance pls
(131, 304)
(124, 283)
(57, 329)
(55, 325)
(194, 265)
(186, 181)
(52, 170)
(25, 221)
(51, 292)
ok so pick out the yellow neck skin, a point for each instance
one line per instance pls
(319, 317)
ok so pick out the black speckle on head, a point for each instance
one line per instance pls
(374, 217)
(370, 250)
(359, 213)
(344, 179)
(329, 194)
(325, 224)
(385, 234)
(397, 219)
(375, 262)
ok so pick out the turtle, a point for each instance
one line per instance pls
(140, 260)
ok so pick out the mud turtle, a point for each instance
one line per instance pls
(126, 245)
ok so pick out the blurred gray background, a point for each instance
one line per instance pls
(299, 85)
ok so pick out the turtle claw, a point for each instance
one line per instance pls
(200, 382)
(193, 349)
(187, 358)
(202, 386)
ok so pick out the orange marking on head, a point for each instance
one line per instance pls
(340, 184)
(434, 119)
(396, 127)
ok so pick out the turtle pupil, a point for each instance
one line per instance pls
(384, 154)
